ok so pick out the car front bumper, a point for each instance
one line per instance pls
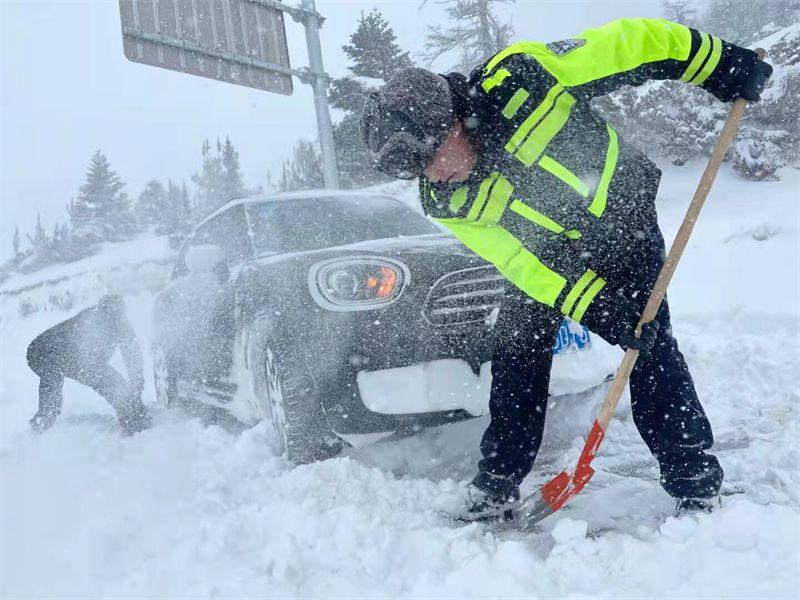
(443, 390)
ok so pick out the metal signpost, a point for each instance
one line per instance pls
(236, 41)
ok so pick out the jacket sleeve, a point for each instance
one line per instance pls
(576, 292)
(556, 276)
(633, 51)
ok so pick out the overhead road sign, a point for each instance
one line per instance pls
(236, 41)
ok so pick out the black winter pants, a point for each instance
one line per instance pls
(665, 406)
(101, 377)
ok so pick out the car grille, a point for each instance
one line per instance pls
(466, 296)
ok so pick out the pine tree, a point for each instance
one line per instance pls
(769, 136)
(101, 211)
(353, 158)
(219, 179)
(746, 22)
(39, 239)
(680, 11)
(209, 181)
(175, 219)
(375, 54)
(16, 242)
(373, 48)
(60, 248)
(348, 93)
(232, 184)
(40, 245)
(476, 35)
(304, 170)
(150, 206)
(104, 189)
(185, 210)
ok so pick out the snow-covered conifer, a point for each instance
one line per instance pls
(680, 11)
(304, 170)
(232, 182)
(375, 55)
(39, 238)
(185, 208)
(747, 22)
(373, 48)
(17, 244)
(209, 181)
(41, 247)
(101, 212)
(150, 206)
(476, 33)
(219, 179)
(60, 246)
(770, 133)
(176, 214)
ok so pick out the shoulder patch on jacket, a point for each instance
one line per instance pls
(561, 47)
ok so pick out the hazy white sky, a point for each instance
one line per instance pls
(67, 90)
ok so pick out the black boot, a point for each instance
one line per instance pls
(491, 498)
(686, 506)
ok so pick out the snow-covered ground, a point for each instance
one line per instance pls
(188, 510)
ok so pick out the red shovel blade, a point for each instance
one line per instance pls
(555, 493)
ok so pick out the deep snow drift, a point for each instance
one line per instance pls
(188, 510)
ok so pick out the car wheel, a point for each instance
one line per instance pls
(164, 378)
(291, 401)
(274, 393)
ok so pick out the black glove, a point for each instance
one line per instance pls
(43, 421)
(644, 343)
(755, 82)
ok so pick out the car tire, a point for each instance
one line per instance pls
(289, 399)
(164, 378)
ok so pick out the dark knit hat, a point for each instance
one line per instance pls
(404, 122)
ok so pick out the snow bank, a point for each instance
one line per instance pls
(192, 511)
(122, 268)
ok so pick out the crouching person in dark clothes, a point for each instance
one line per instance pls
(80, 348)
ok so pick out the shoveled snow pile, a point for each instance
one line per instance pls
(189, 510)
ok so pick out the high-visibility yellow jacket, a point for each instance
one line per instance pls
(557, 197)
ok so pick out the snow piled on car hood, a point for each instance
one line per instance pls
(430, 242)
(189, 510)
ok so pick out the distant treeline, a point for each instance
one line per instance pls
(103, 212)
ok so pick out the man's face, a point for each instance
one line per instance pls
(454, 159)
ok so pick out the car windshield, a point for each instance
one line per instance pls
(313, 223)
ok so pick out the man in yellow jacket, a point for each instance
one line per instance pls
(516, 164)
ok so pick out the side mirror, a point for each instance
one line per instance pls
(204, 258)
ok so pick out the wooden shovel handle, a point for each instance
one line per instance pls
(724, 142)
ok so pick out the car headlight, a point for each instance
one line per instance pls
(363, 283)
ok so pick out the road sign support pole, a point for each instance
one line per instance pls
(319, 83)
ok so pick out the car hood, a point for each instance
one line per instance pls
(435, 243)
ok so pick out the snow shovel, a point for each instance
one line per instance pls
(555, 493)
